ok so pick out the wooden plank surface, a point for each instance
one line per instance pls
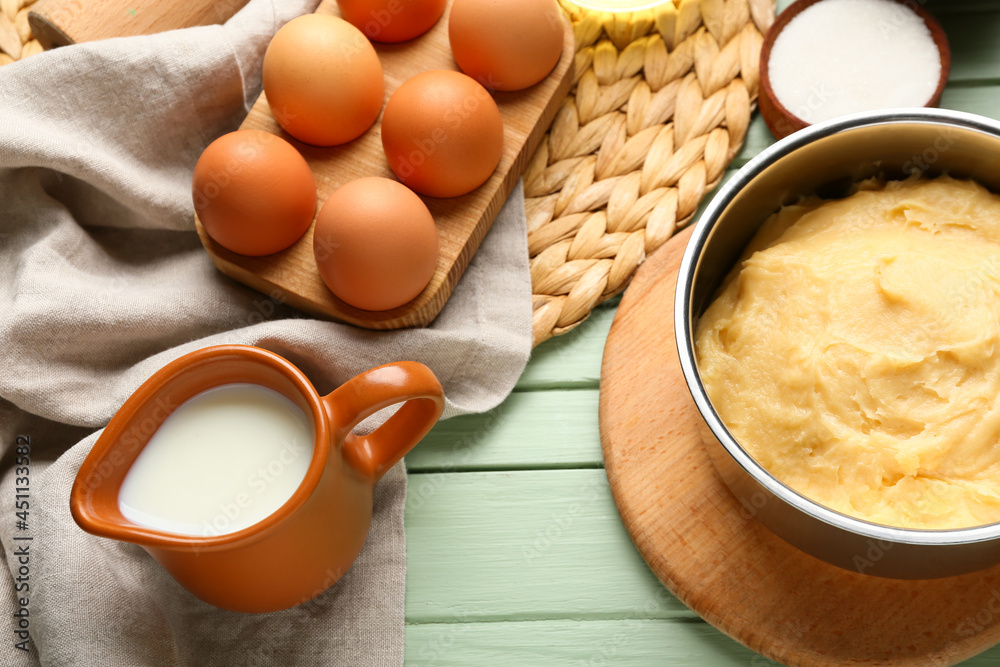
(492, 482)
(506, 438)
(575, 643)
(571, 643)
(523, 545)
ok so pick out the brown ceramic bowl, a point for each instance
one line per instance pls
(783, 122)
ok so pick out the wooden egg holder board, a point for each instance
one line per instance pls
(724, 564)
(462, 222)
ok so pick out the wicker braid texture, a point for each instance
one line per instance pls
(660, 106)
(16, 40)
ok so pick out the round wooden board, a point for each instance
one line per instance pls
(722, 563)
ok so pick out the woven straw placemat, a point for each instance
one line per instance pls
(660, 106)
(16, 40)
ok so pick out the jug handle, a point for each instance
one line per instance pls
(364, 395)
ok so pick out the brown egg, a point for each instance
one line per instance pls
(506, 44)
(392, 20)
(253, 192)
(323, 80)
(442, 134)
(375, 244)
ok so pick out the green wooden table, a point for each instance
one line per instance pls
(515, 551)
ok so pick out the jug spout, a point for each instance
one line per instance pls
(94, 497)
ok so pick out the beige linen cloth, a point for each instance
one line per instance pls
(103, 281)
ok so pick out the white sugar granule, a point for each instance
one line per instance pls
(843, 56)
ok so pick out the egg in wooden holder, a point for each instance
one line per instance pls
(291, 276)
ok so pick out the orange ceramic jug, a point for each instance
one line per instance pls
(305, 546)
